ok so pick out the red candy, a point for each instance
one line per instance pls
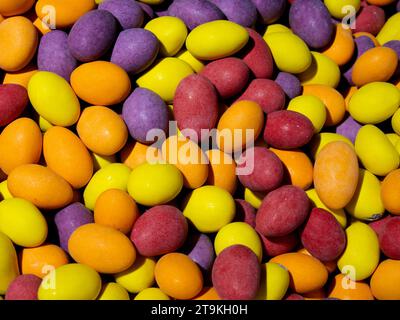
(370, 19)
(13, 100)
(245, 212)
(275, 246)
(389, 240)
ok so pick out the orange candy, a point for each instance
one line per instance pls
(390, 192)
(40, 260)
(222, 170)
(385, 282)
(344, 288)
(135, 153)
(178, 276)
(102, 130)
(117, 209)
(298, 165)
(208, 294)
(315, 295)
(380, 2)
(342, 48)
(15, 7)
(330, 265)
(376, 64)
(333, 100)
(369, 35)
(21, 77)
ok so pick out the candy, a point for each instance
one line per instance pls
(12, 8)
(113, 291)
(239, 11)
(196, 64)
(352, 290)
(202, 251)
(151, 294)
(23, 287)
(136, 153)
(385, 280)
(275, 246)
(8, 260)
(349, 128)
(389, 189)
(128, 13)
(222, 170)
(342, 47)
(270, 10)
(289, 83)
(274, 282)
(236, 273)
(160, 230)
(389, 30)
(370, 19)
(13, 100)
(388, 239)
(335, 8)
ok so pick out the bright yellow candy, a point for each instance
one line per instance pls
(390, 30)
(72, 281)
(53, 98)
(366, 203)
(320, 140)
(323, 70)
(164, 77)
(195, 63)
(290, 52)
(216, 39)
(151, 294)
(4, 192)
(238, 233)
(274, 282)
(276, 27)
(312, 107)
(22, 222)
(361, 256)
(113, 291)
(170, 31)
(375, 151)
(139, 276)
(396, 122)
(8, 262)
(100, 162)
(155, 184)
(44, 124)
(393, 138)
(210, 208)
(254, 198)
(339, 214)
(368, 107)
(113, 176)
(337, 8)
(152, 2)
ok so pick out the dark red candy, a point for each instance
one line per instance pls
(379, 225)
(390, 239)
(24, 287)
(229, 76)
(13, 101)
(287, 130)
(267, 93)
(245, 212)
(370, 19)
(275, 246)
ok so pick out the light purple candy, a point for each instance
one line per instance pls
(195, 12)
(311, 21)
(24, 287)
(92, 35)
(243, 12)
(290, 84)
(270, 10)
(395, 45)
(202, 251)
(54, 54)
(135, 49)
(143, 111)
(69, 219)
(128, 12)
(363, 44)
(349, 128)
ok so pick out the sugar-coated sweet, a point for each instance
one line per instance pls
(370, 19)
(388, 240)
(245, 212)
(275, 246)
(290, 84)
(13, 101)
(201, 251)
(243, 12)
(128, 13)
(270, 10)
(23, 287)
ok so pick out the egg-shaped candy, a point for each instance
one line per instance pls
(200, 249)
(12, 8)
(243, 12)
(222, 170)
(9, 263)
(113, 291)
(128, 13)
(385, 280)
(24, 287)
(290, 84)
(274, 282)
(341, 48)
(13, 101)
(270, 10)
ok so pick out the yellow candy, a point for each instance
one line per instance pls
(375, 151)
(113, 291)
(113, 176)
(323, 70)
(290, 52)
(139, 276)
(53, 98)
(164, 77)
(151, 294)
(238, 233)
(4, 192)
(276, 27)
(390, 30)
(274, 282)
(254, 198)
(170, 31)
(210, 208)
(195, 63)
(152, 2)
(72, 281)
(216, 39)
(22, 222)
(320, 140)
(396, 122)
(312, 107)
(393, 138)
(337, 8)
(155, 184)
(8, 262)
(100, 162)
(367, 106)
(44, 124)
(366, 203)
(339, 214)
(361, 255)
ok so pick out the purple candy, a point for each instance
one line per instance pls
(349, 128)
(395, 45)
(311, 21)
(270, 10)
(69, 219)
(242, 12)
(398, 6)
(195, 12)
(202, 251)
(143, 111)
(128, 12)
(135, 50)
(54, 54)
(92, 35)
(24, 287)
(290, 84)
(147, 10)
(245, 212)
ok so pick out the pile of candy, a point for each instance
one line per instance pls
(295, 196)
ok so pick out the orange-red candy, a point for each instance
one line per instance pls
(222, 170)
(342, 48)
(344, 288)
(135, 153)
(329, 265)
(380, 2)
